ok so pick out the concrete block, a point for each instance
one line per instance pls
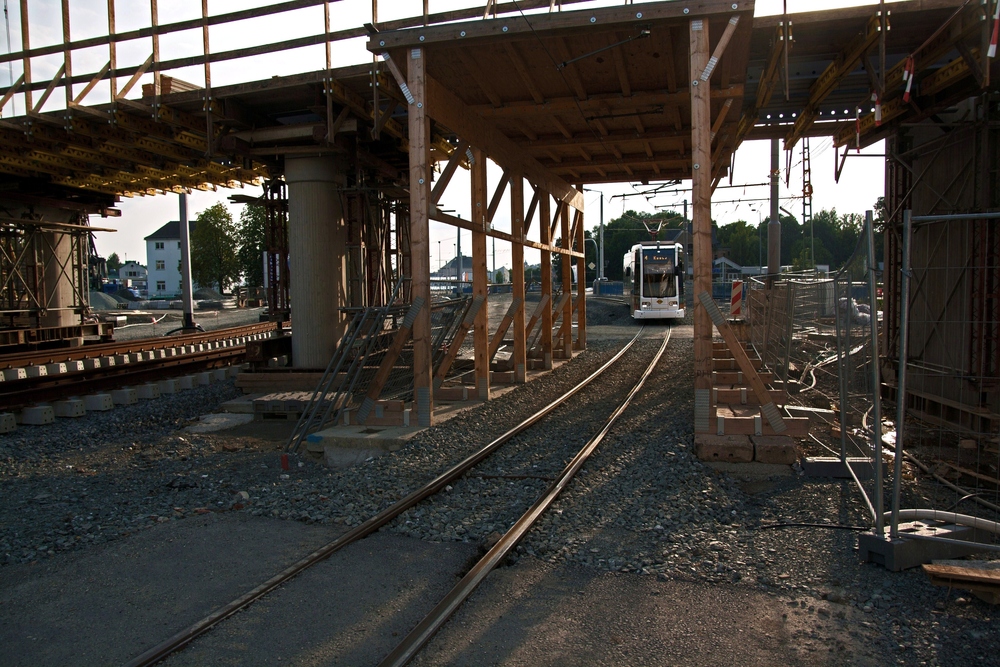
(168, 386)
(186, 382)
(729, 448)
(55, 369)
(157, 354)
(71, 407)
(92, 364)
(8, 422)
(37, 415)
(36, 371)
(136, 357)
(75, 366)
(233, 371)
(205, 378)
(11, 374)
(108, 362)
(126, 396)
(170, 352)
(122, 359)
(221, 374)
(774, 449)
(147, 391)
(98, 402)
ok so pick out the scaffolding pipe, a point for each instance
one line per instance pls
(904, 328)
(876, 444)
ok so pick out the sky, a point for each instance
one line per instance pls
(861, 182)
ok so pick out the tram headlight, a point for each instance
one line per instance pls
(671, 304)
(644, 305)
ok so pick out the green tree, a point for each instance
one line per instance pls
(114, 262)
(250, 233)
(623, 232)
(213, 248)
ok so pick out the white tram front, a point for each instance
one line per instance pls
(654, 280)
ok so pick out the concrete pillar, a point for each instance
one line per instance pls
(57, 260)
(317, 257)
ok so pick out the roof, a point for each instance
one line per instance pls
(170, 231)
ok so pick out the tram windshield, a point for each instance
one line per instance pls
(658, 276)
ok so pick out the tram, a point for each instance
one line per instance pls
(654, 280)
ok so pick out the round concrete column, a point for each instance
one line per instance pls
(57, 250)
(317, 255)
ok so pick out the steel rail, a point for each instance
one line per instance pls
(63, 354)
(189, 634)
(424, 630)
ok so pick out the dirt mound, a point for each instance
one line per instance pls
(102, 301)
(207, 293)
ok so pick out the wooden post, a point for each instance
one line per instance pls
(112, 52)
(67, 57)
(420, 255)
(25, 47)
(581, 285)
(519, 360)
(480, 332)
(701, 152)
(546, 268)
(567, 286)
(154, 18)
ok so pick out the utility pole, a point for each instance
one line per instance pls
(600, 247)
(774, 224)
(187, 291)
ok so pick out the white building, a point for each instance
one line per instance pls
(163, 259)
(132, 274)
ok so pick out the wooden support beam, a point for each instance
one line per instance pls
(537, 315)
(518, 227)
(461, 223)
(515, 59)
(497, 195)
(456, 345)
(480, 331)
(555, 221)
(448, 172)
(581, 282)
(616, 54)
(135, 78)
(454, 114)
(389, 360)
(567, 286)
(479, 76)
(602, 105)
(48, 89)
(530, 215)
(508, 318)
(420, 186)
(701, 221)
(545, 261)
(571, 72)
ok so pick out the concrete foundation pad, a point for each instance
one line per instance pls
(69, 408)
(343, 446)
(126, 396)
(8, 422)
(218, 422)
(37, 415)
(829, 466)
(168, 386)
(241, 405)
(99, 402)
(909, 550)
(11, 374)
(729, 448)
(147, 391)
(774, 449)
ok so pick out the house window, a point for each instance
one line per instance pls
(160, 265)
(159, 245)
(161, 285)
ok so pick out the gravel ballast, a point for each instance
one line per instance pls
(643, 506)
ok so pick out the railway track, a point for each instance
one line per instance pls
(412, 643)
(49, 375)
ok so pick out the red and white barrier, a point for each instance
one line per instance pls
(736, 301)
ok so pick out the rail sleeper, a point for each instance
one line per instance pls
(8, 422)
(148, 391)
(36, 415)
(69, 408)
(125, 396)
(98, 402)
(11, 374)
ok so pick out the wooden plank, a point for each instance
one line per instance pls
(508, 318)
(796, 427)
(744, 397)
(448, 171)
(518, 228)
(420, 285)
(701, 148)
(601, 104)
(480, 286)
(497, 196)
(749, 372)
(537, 314)
(461, 223)
(545, 261)
(456, 344)
(567, 287)
(446, 108)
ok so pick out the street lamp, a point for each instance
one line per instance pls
(600, 236)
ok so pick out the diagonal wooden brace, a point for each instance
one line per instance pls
(767, 406)
(389, 360)
(502, 329)
(456, 344)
